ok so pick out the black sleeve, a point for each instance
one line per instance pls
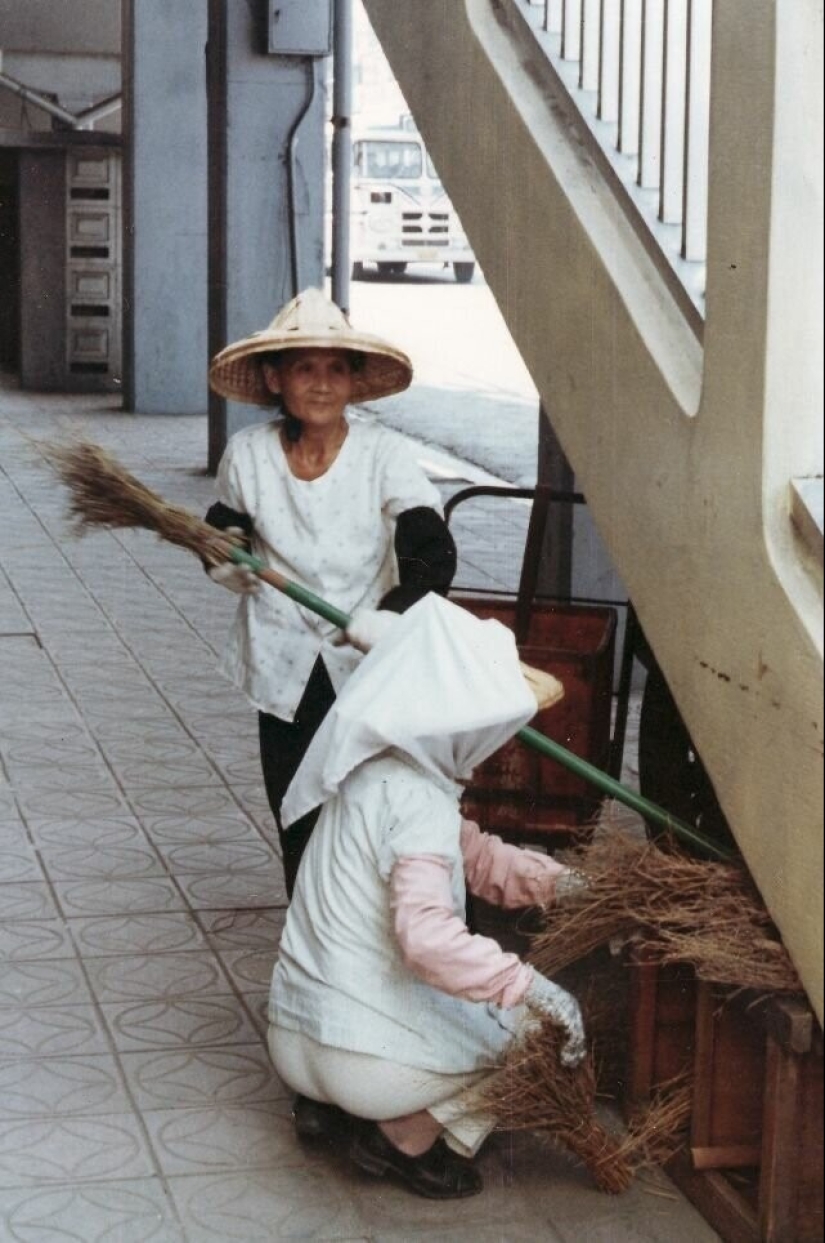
(426, 555)
(221, 516)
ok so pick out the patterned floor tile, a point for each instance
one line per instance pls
(252, 798)
(22, 942)
(113, 897)
(48, 983)
(259, 1207)
(47, 745)
(72, 804)
(113, 1212)
(136, 934)
(30, 900)
(167, 774)
(261, 888)
(215, 801)
(61, 1087)
(85, 833)
(230, 826)
(214, 856)
(243, 770)
(18, 860)
(257, 1003)
(156, 977)
(50, 1031)
(71, 1150)
(250, 970)
(204, 1078)
(246, 930)
(151, 746)
(192, 1023)
(29, 778)
(95, 863)
(201, 1141)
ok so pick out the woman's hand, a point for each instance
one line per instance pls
(549, 998)
(237, 578)
(368, 626)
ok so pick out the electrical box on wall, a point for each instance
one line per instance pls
(299, 27)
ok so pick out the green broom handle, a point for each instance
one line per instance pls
(539, 742)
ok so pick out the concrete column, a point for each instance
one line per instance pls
(266, 179)
(165, 201)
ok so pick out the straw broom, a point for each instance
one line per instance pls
(683, 910)
(535, 1092)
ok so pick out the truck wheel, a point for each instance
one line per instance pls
(464, 272)
(357, 271)
(386, 269)
(671, 772)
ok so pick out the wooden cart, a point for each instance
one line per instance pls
(517, 793)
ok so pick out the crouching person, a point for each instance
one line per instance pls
(384, 1008)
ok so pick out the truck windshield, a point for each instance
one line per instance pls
(393, 161)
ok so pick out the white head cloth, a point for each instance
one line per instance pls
(441, 687)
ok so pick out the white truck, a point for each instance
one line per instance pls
(400, 213)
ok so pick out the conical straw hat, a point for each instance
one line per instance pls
(310, 321)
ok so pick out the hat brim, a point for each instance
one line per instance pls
(236, 372)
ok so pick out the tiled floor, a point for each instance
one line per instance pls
(141, 899)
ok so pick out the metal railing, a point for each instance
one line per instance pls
(638, 73)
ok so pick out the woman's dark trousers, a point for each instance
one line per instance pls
(283, 744)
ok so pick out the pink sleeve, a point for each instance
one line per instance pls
(506, 875)
(436, 944)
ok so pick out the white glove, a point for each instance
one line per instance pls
(368, 626)
(570, 886)
(549, 998)
(236, 578)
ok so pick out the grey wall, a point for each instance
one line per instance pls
(42, 269)
(255, 100)
(165, 200)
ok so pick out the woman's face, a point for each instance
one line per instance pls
(315, 385)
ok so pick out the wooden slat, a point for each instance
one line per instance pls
(674, 79)
(697, 132)
(780, 1159)
(727, 1157)
(591, 31)
(609, 57)
(630, 77)
(571, 30)
(650, 117)
(553, 16)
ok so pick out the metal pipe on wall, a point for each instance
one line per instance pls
(341, 150)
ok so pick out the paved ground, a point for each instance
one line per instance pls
(141, 900)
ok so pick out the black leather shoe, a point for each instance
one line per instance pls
(438, 1174)
(315, 1120)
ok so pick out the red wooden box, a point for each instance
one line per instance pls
(517, 792)
(753, 1162)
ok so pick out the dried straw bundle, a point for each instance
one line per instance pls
(104, 494)
(683, 910)
(535, 1092)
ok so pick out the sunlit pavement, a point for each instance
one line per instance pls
(141, 900)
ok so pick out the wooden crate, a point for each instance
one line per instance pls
(753, 1162)
(518, 793)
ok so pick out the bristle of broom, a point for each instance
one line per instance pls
(683, 910)
(535, 1092)
(104, 494)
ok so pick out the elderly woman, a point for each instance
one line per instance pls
(328, 499)
(383, 1004)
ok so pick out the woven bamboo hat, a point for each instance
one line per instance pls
(310, 321)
